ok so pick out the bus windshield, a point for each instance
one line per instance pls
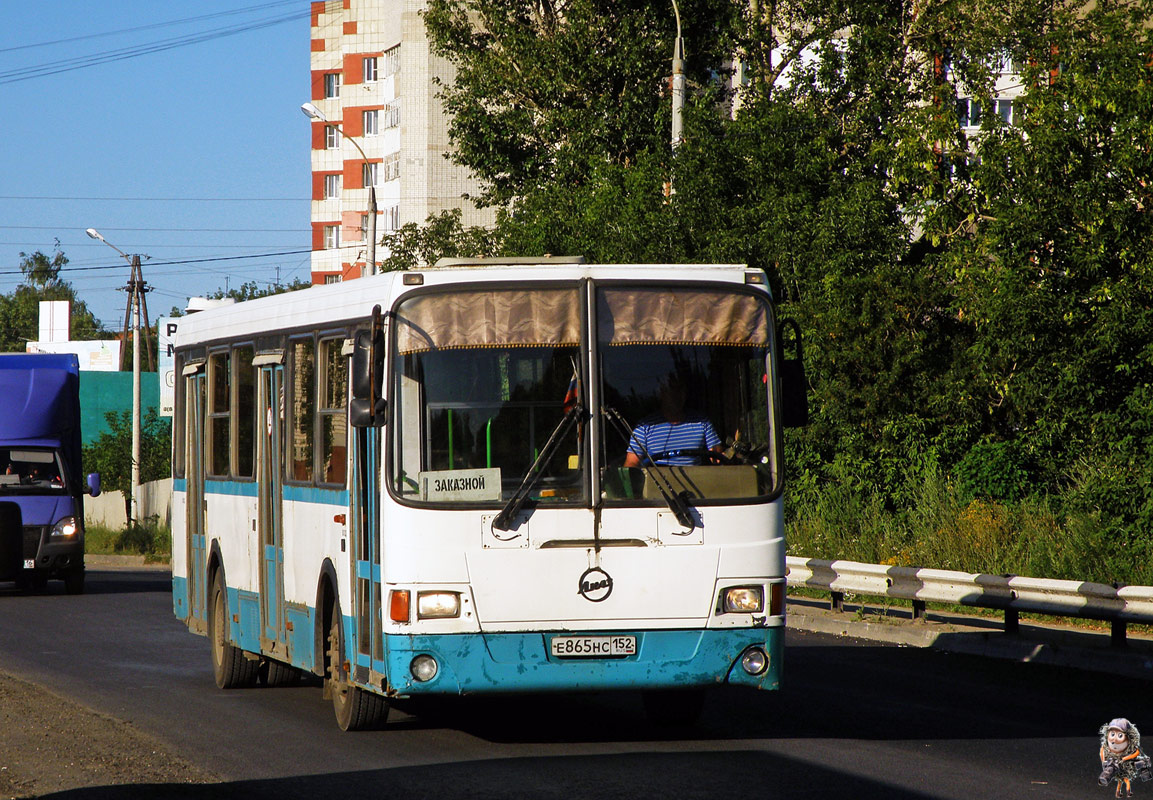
(685, 388)
(483, 380)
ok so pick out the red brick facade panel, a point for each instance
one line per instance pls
(318, 136)
(318, 45)
(350, 28)
(354, 69)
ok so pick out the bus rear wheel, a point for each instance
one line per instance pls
(230, 667)
(356, 709)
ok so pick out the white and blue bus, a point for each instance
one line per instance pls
(420, 483)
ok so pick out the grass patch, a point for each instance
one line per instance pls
(154, 542)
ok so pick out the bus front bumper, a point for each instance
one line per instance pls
(524, 662)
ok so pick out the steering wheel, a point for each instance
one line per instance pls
(703, 456)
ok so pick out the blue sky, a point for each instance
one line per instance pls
(195, 153)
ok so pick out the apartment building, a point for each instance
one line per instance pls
(374, 80)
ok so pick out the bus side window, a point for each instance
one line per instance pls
(219, 412)
(301, 427)
(245, 411)
(333, 417)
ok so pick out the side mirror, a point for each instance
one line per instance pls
(794, 383)
(367, 408)
(94, 484)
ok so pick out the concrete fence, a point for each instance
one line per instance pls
(108, 508)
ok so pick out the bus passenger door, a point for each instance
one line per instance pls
(194, 401)
(270, 458)
(364, 499)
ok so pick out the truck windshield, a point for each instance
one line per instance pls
(31, 471)
(483, 380)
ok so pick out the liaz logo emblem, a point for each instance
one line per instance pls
(595, 585)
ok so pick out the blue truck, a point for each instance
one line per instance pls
(41, 490)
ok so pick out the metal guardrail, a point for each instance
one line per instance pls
(1013, 594)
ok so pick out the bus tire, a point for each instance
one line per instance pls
(74, 580)
(275, 673)
(356, 709)
(674, 708)
(230, 667)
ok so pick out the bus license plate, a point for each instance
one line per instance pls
(594, 646)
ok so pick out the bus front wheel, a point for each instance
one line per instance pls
(356, 709)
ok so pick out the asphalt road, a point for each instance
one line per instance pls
(855, 719)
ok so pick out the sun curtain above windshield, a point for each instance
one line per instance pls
(698, 316)
(485, 318)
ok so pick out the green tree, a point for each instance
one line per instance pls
(955, 292)
(20, 310)
(111, 453)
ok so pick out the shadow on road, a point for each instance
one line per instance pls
(98, 582)
(684, 776)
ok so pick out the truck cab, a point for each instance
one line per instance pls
(41, 490)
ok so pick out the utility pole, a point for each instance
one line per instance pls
(136, 289)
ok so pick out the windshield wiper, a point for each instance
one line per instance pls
(504, 519)
(678, 502)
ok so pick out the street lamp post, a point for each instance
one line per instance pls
(312, 112)
(135, 288)
(678, 83)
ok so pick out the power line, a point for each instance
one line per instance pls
(170, 263)
(153, 26)
(164, 199)
(155, 230)
(80, 62)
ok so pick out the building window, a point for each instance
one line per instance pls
(331, 279)
(391, 218)
(969, 112)
(371, 123)
(391, 167)
(1005, 109)
(332, 84)
(331, 237)
(391, 59)
(392, 114)
(370, 73)
(364, 226)
(331, 186)
(369, 174)
(331, 137)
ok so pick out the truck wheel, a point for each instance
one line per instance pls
(74, 580)
(230, 667)
(356, 709)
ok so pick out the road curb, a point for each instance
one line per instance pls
(979, 636)
(93, 561)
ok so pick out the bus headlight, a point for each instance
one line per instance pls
(743, 600)
(423, 668)
(437, 605)
(754, 661)
(66, 528)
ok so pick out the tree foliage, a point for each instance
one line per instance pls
(981, 301)
(111, 453)
(20, 310)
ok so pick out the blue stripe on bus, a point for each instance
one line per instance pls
(302, 494)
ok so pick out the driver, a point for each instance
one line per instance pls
(674, 437)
